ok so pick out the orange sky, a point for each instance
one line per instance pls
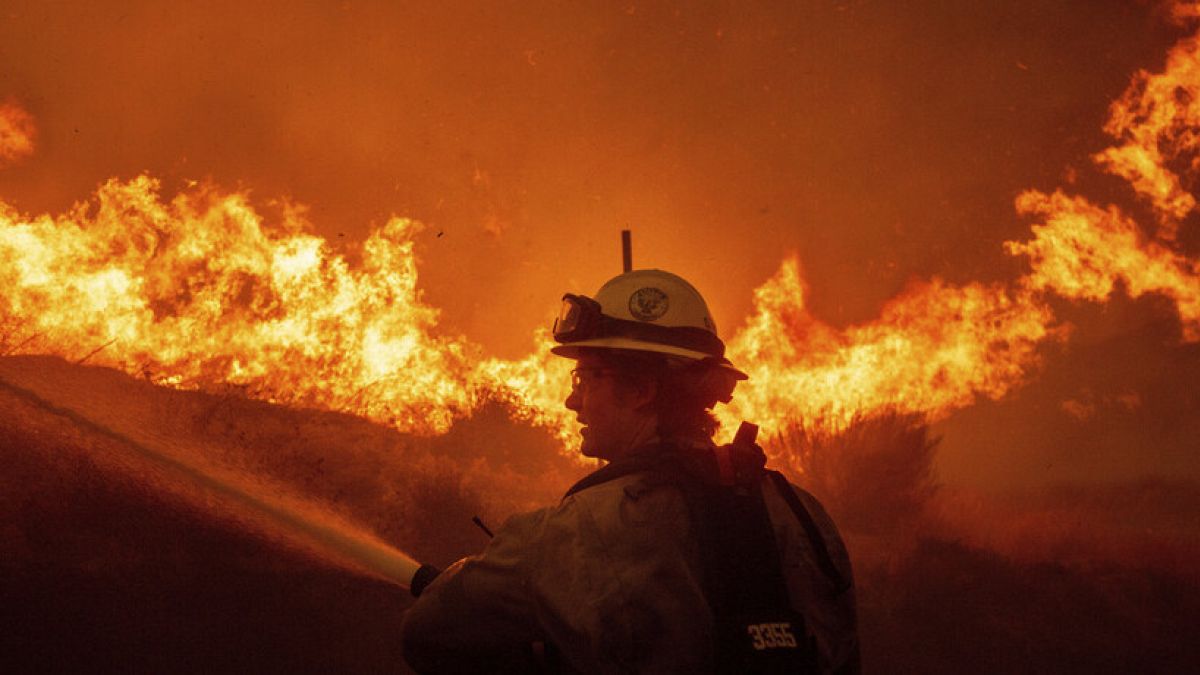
(880, 143)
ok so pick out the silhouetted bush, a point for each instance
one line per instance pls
(872, 475)
(106, 565)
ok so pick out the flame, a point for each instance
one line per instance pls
(537, 385)
(199, 292)
(1082, 251)
(939, 347)
(936, 348)
(1157, 119)
(17, 133)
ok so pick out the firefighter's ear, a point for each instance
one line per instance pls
(637, 392)
(645, 393)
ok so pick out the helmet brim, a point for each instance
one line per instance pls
(573, 350)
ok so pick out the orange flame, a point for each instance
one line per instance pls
(198, 292)
(935, 348)
(1182, 11)
(1082, 251)
(538, 384)
(938, 347)
(1158, 118)
(17, 133)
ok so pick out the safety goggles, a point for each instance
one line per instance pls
(580, 319)
(580, 377)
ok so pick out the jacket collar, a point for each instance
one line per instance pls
(671, 456)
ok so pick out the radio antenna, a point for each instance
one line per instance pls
(627, 250)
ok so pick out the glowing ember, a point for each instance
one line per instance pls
(17, 133)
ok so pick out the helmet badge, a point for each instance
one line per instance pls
(648, 304)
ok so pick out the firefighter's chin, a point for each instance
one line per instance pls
(587, 446)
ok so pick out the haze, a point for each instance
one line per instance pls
(881, 142)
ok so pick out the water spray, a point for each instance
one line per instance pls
(297, 523)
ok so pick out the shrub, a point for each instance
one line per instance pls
(873, 474)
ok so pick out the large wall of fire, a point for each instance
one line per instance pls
(373, 208)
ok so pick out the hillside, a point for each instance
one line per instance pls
(126, 549)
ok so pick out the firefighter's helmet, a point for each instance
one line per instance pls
(642, 311)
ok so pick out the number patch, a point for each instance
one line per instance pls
(772, 635)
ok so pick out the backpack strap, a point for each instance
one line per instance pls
(755, 628)
(815, 538)
(666, 464)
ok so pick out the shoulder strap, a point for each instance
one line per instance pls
(756, 629)
(657, 463)
(820, 550)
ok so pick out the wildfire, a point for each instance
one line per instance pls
(1158, 118)
(1082, 251)
(17, 133)
(200, 291)
(935, 348)
(938, 347)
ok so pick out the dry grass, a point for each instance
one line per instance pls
(101, 573)
(873, 475)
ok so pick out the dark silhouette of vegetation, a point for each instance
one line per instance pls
(108, 567)
(873, 474)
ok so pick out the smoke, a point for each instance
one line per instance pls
(1064, 578)
(17, 133)
(880, 143)
(1084, 252)
(883, 144)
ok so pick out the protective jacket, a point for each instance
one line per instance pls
(613, 578)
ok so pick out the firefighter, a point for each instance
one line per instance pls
(677, 555)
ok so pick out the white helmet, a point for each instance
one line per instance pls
(645, 311)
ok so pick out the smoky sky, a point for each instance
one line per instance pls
(879, 141)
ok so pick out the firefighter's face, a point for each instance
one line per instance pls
(616, 417)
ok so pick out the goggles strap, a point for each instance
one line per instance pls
(685, 337)
(589, 323)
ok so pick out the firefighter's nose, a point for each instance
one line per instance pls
(573, 401)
